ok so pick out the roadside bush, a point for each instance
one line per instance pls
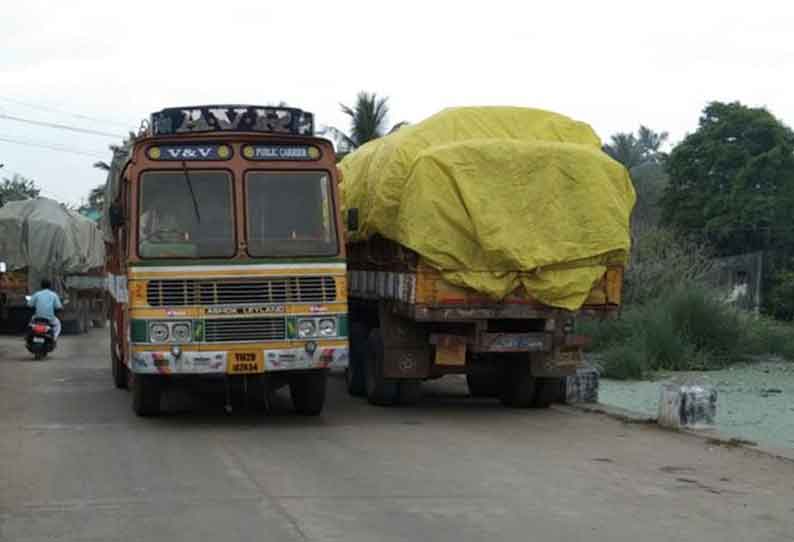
(660, 262)
(664, 345)
(779, 300)
(673, 321)
(709, 325)
(767, 336)
(624, 361)
(685, 329)
(605, 333)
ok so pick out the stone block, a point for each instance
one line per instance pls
(687, 403)
(583, 387)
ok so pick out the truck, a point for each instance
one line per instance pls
(475, 240)
(40, 238)
(226, 258)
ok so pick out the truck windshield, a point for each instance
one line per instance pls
(290, 214)
(186, 215)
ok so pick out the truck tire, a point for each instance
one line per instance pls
(308, 392)
(355, 374)
(410, 392)
(518, 384)
(120, 371)
(484, 384)
(380, 391)
(547, 391)
(146, 394)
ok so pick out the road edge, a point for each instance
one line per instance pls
(710, 437)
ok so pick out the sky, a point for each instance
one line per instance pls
(105, 66)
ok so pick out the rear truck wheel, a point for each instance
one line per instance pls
(547, 391)
(518, 384)
(484, 384)
(308, 392)
(146, 394)
(355, 374)
(380, 391)
(410, 392)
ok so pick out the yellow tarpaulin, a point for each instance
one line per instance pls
(496, 198)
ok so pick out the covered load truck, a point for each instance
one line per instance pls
(474, 240)
(42, 239)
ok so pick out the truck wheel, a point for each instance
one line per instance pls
(379, 390)
(410, 392)
(484, 384)
(355, 373)
(518, 384)
(120, 376)
(547, 391)
(146, 394)
(308, 392)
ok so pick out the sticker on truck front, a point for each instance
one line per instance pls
(262, 309)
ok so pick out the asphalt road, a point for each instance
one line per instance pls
(76, 464)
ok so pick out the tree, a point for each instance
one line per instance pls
(96, 198)
(633, 151)
(650, 181)
(367, 118)
(733, 179)
(18, 188)
(368, 121)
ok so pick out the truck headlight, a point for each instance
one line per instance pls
(158, 333)
(327, 327)
(306, 328)
(181, 333)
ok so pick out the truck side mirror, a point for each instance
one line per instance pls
(352, 219)
(116, 216)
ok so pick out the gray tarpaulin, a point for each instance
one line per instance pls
(49, 240)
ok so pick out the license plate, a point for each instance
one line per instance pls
(246, 363)
(38, 340)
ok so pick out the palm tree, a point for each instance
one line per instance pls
(625, 149)
(368, 121)
(367, 118)
(632, 151)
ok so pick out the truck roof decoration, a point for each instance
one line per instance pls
(232, 118)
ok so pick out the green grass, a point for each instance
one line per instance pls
(683, 330)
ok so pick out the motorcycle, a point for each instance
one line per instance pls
(40, 339)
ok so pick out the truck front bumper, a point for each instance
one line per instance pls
(254, 360)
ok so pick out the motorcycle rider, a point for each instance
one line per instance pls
(46, 303)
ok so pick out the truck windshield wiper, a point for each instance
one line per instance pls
(192, 193)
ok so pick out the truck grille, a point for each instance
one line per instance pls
(179, 293)
(244, 329)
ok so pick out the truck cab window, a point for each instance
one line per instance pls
(186, 216)
(290, 214)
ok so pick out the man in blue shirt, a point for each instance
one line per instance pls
(46, 302)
